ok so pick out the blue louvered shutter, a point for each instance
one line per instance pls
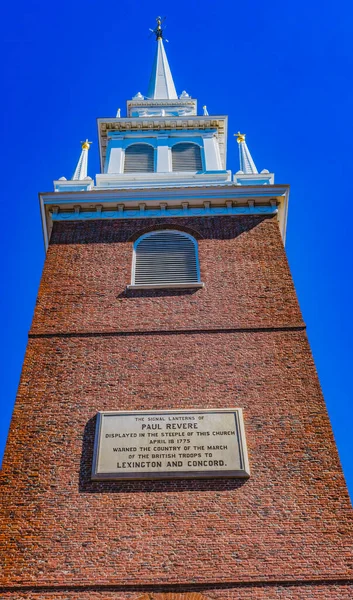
(139, 158)
(186, 157)
(166, 257)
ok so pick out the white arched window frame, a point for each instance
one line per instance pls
(180, 236)
(140, 143)
(188, 143)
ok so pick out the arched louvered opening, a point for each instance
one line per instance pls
(139, 158)
(186, 157)
(166, 258)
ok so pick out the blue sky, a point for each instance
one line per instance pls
(281, 71)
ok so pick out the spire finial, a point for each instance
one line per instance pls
(86, 144)
(240, 137)
(158, 31)
(205, 111)
(247, 164)
(81, 168)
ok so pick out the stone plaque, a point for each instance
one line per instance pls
(170, 444)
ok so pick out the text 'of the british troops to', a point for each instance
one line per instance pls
(170, 444)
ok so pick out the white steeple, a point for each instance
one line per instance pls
(81, 168)
(247, 164)
(161, 86)
(152, 157)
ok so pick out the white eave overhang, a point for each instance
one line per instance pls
(192, 201)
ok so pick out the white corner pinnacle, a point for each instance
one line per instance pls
(161, 86)
(81, 168)
(247, 164)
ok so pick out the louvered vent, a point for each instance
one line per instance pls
(166, 257)
(186, 157)
(139, 158)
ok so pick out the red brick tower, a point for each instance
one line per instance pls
(166, 291)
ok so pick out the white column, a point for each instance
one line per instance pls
(212, 156)
(114, 161)
(163, 155)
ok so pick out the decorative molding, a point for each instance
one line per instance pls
(163, 211)
(162, 102)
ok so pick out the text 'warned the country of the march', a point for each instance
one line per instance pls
(170, 441)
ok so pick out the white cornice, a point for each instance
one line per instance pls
(172, 108)
(175, 102)
(218, 191)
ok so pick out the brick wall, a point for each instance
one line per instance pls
(242, 262)
(240, 341)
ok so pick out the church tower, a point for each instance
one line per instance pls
(169, 439)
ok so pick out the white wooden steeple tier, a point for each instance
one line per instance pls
(161, 136)
(161, 99)
(162, 141)
(163, 161)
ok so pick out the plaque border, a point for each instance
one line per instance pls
(170, 475)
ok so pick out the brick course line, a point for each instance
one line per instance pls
(182, 587)
(137, 332)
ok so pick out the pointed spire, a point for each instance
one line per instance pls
(161, 86)
(205, 111)
(247, 164)
(81, 168)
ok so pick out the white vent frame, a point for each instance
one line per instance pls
(165, 285)
(139, 143)
(190, 143)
